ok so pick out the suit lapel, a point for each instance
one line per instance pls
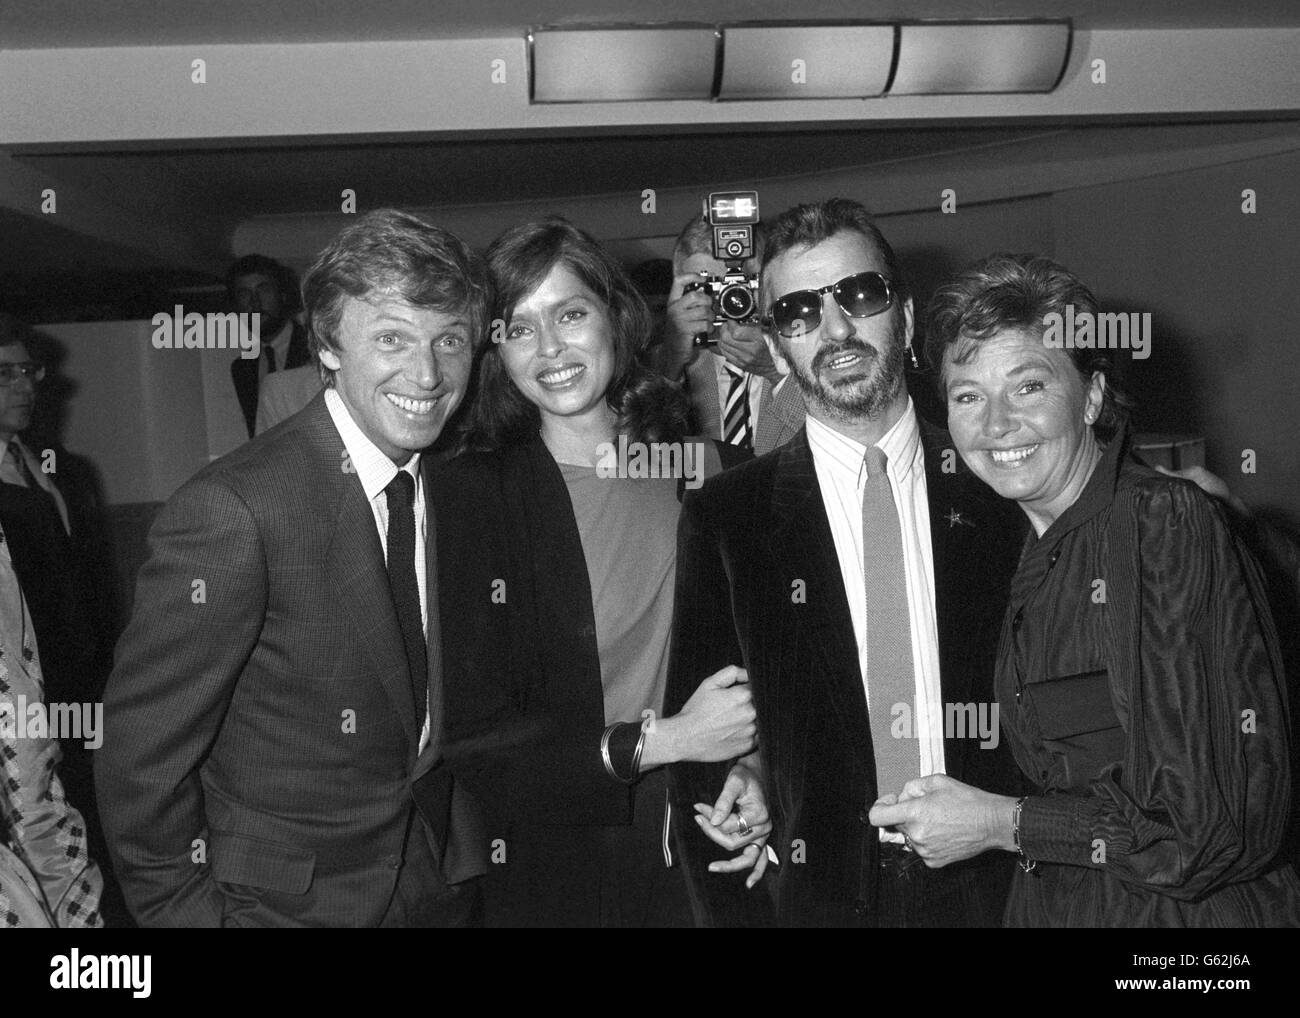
(702, 378)
(973, 536)
(953, 529)
(358, 574)
(801, 541)
(433, 630)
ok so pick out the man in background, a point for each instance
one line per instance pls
(259, 285)
(49, 535)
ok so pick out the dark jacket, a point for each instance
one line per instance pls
(1143, 694)
(261, 742)
(748, 541)
(523, 696)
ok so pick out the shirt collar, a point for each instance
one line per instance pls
(901, 444)
(373, 468)
(1099, 492)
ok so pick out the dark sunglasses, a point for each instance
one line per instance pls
(859, 296)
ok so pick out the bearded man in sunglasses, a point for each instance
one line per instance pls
(860, 574)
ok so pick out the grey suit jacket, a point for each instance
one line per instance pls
(780, 414)
(284, 393)
(260, 742)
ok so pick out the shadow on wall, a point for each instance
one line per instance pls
(97, 531)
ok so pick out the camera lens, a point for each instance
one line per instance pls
(736, 302)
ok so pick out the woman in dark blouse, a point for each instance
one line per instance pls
(560, 554)
(1138, 677)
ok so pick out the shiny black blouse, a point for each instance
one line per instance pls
(1142, 693)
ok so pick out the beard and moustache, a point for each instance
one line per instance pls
(867, 392)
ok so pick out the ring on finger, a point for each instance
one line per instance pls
(744, 827)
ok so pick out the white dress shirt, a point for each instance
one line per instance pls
(841, 475)
(375, 471)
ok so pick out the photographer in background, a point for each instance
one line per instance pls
(736, 392)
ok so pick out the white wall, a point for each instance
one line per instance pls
(147, 419)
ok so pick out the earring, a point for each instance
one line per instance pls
(912, 353)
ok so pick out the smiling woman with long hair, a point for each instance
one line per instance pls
(563, 567)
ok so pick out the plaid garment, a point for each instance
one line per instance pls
(46, 875)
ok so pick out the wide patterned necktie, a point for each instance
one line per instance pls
(735, 416)
(891, 678)
(405, 588)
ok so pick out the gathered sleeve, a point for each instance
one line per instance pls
(1201, 796)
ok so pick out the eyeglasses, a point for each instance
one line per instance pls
(859, 296)
(10, 373)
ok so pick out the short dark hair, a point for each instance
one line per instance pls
(13, 330)
(649, 409)
(260, 265)
(393, 251)
(813, 222)
(1016, 291)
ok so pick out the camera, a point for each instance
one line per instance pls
(732, 216)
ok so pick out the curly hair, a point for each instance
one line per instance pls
(1016, 291)
(648, 408)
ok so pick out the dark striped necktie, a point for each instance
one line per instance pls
(735, 416)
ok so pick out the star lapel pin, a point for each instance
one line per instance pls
(955, 519)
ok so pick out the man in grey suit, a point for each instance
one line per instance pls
(272, 742)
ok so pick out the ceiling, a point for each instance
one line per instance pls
(27, 24)
(225, 184)
(213, 190)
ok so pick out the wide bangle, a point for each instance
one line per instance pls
(1026, 863)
